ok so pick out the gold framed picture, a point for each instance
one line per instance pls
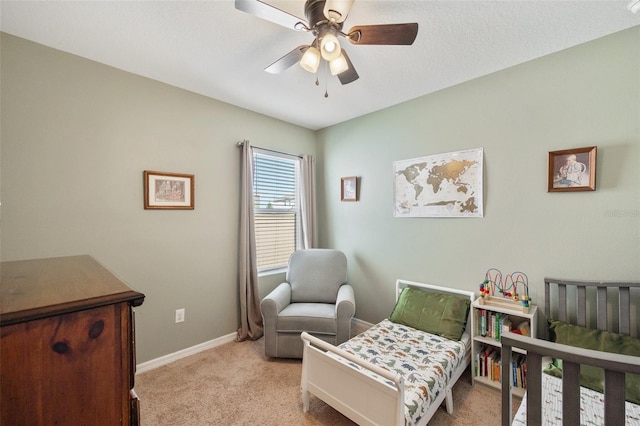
(168, 190)
(349, 188)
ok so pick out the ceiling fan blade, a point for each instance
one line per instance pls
(396, 34)
(287, 60)
(349, 75)
(271, 13)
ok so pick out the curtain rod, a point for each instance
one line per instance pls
(271, 150)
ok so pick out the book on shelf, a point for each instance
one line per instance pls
(491, 324)
(507, 325)
(487, 364)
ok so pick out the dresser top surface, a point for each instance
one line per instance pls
(53, 285)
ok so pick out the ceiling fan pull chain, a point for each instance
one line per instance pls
(326, 93)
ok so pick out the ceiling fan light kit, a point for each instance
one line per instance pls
(329, 46)
(338, 65)
(324, 20)
(310, 60)
(337, 10)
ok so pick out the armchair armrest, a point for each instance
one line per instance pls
(271, 305)
(345, 302)
(277, 300)
(345, 310)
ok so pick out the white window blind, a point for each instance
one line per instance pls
(276, 208)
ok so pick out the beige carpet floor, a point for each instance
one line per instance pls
(235, 384)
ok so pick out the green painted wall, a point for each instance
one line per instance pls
(584, 96)
(76, 137)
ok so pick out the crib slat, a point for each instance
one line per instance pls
(547, 297)
(570, 393)
(547, 306)
(507, 385)
(624, 303)
(601, 306)
(534, 389)
(614, 398)
(562, 303)
(581, 308)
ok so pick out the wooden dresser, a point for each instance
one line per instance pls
(67, 350)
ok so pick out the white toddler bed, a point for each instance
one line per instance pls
(392, 374)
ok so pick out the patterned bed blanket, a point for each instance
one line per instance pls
(425, 361)
(591, 406)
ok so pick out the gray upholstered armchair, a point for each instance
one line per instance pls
(315, 298)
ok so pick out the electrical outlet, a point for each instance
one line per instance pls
(179, 315)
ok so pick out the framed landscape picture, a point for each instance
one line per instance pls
(572, 170)
(168, 190)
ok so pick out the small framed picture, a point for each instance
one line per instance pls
(572, 170)
(349, 188)
(168, 190)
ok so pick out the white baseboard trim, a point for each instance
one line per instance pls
(167, 359)
(361, 322)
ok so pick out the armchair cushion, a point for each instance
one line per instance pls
(316, 275)
(299, 317)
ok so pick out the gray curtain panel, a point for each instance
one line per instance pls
(307, 202)
(250, 316)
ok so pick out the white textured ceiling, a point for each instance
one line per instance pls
(211, 48)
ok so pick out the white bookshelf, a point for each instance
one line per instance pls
(491, 343)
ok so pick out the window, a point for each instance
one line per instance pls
(276, 208)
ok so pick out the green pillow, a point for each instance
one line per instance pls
(592, 377)
(436, 313)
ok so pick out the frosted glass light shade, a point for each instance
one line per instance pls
(338, 65)
(329, 47)
(310, 60)
(337, 10)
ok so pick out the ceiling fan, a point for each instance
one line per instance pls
(325, 19)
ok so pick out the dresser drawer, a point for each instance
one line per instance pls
(60, 369)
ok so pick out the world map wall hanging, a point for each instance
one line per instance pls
(442, 185)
